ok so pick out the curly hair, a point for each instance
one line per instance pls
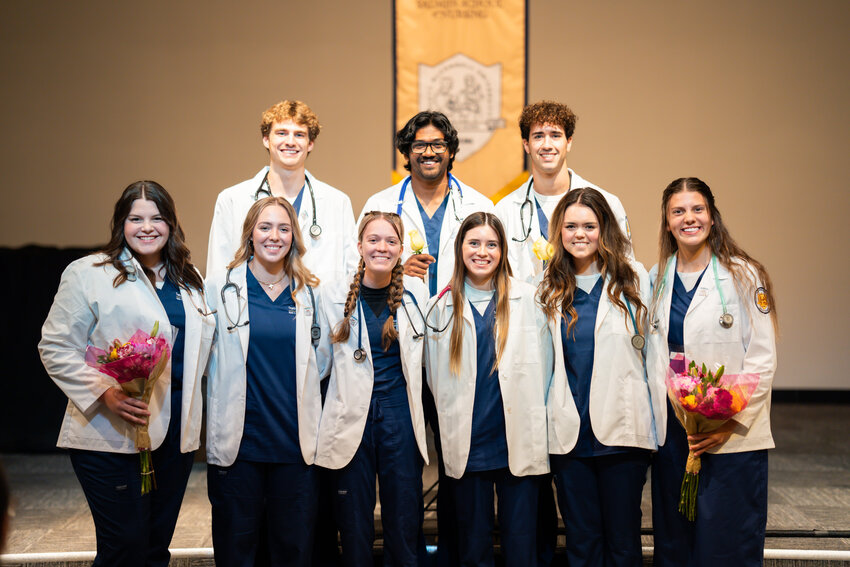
(407, 135)
(294, 110)
(557, 290)
(547, 112)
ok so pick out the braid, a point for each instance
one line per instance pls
(344, 328)
(395, 295)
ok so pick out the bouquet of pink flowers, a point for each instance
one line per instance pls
(136, 365)
(703, 401)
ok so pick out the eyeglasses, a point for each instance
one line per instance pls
(438, 147)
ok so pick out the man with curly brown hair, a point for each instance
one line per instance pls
(547, 129)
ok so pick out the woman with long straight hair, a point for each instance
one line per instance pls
(489, 360)
(601, 428)
(142, 277)
(264, 400)
(712, 304)
(372, 422)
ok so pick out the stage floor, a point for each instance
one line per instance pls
(809, 492)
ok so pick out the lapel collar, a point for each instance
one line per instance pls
(410, 212)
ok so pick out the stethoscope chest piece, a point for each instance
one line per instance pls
(638, 342)
(315, 230)
(359, 355)
(726, 320)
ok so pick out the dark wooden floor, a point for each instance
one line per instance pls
(809, 491)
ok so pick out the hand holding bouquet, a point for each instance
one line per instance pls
(136, 364)
(704, 401)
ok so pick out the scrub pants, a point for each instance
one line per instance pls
(731, 514)
(134, 530)
(447, 546)
(248, 497)
(600, 499)
(388, 450)
(517, 518)
(547, 522)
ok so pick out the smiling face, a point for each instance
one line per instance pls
(380, 247)
(288, 144)
(547, 146)
(689, 220)
(481, 253)
(580, 237)
(146, 232)
(272, 237)
(429, 166)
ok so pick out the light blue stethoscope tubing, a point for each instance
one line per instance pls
(726, 319)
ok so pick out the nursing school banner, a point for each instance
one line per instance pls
(467, 59)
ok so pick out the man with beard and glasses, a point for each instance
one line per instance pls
(432, 202)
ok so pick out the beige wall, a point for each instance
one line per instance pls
(750, 96)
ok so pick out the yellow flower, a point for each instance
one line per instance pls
(417, 243)
(543, 249)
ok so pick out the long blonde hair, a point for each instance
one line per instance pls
(293, 265)
(557, 290)
(721, 243)
(396, 291)
(503, 287)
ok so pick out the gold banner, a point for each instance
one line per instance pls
(467, 59)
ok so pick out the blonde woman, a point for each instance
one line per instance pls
(488, 362)
(264, 401)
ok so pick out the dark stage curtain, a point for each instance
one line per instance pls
(31, 405)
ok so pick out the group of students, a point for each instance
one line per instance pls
(532, 353)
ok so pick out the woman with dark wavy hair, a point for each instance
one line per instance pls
(712, 304)
(601, 430)
(143, 276)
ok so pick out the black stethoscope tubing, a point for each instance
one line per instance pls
(315, 330)
(360, 352)
(315, 229)
(526, 231)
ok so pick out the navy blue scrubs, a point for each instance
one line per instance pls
(487, 467)
(133, 529)
(599, 487)
(269, 486)
(732, 494)
(388, 450)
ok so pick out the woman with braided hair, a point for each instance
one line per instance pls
(372, 421)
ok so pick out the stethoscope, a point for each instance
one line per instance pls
(315, 229)
(434, 328)
(527, 205)
(451, 195)
(726, 319)
(638, 341)
(315, 330)
(360, 352)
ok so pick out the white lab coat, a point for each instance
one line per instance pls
(88, 310)
(331, 256)
(387, 201)
(524, 263)
(749, 346)
(226, 388)
(350, 389)
(621, 413)
(524, 373)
